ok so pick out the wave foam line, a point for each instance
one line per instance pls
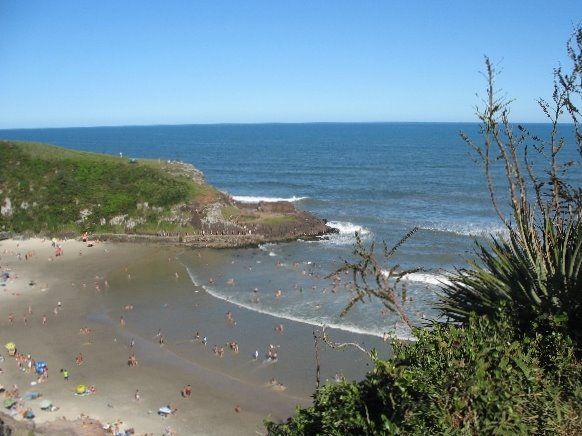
(254, 199)
(468, 230)
(342, 327)
(345, 227)
(431, 279)
(426, 278)
(346, 234)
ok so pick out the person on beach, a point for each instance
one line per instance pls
(132, 360)
(137, 396)
(187, 391)
(230, 317)
(65, 374)
(121, 321)
(79, 359)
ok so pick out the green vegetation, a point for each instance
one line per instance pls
(473, 380)
(535, 274)
(509, 362)
(48, 190)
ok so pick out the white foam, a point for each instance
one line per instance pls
(468, 229)
(423, 277)
(346, 233)
(254, 199)
(431, 279)
(345, 227)
(397, 334)
(268, 246)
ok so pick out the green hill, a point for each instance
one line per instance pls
(47, 190)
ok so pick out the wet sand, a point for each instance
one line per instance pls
(125, 294)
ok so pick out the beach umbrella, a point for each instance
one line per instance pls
(9, 402)
(81, 389)
(39, 366)
(31, 395)
(45, 404)
(10, 346)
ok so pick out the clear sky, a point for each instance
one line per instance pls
(125, 62)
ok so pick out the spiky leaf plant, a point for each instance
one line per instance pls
(534, 273)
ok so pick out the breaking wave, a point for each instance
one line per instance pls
(256, 199)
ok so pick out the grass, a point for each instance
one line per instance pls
(48, 189)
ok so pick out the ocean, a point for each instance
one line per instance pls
(379, 179)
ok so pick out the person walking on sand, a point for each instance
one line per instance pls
(137, 396)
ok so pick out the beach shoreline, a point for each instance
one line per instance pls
(85, 295)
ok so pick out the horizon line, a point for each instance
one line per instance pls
(261, 123)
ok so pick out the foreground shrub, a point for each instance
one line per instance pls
(454, 380)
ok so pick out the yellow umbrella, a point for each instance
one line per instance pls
(81, 389)
(10, 346)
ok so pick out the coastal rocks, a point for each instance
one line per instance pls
(79, 427)
(182, 169)
(255, 224)
(11, 427)
(276, 207)
(6, 209)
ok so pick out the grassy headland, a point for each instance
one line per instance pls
(48, 190)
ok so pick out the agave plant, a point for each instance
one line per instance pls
(537, 281)
(534, 274)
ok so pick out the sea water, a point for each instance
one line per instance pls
(378, 179)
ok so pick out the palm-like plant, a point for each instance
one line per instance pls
(537, 287)
(535, 272)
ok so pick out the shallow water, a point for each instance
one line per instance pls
(165, 301)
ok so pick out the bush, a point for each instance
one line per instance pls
(455, 380)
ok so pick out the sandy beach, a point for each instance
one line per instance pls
(94, 307)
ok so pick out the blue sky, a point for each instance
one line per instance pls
(123, 62)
